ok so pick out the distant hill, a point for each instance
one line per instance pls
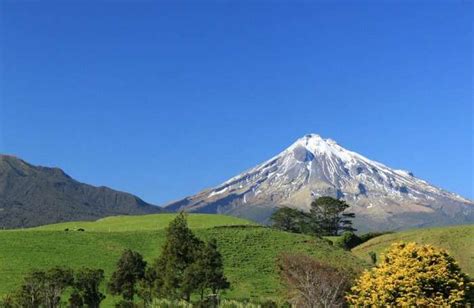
(457, 240)
(33, 195)
(249, 251)
(381, 197)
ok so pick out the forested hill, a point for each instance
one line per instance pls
(33, 195)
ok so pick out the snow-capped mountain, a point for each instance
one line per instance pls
(381, 197)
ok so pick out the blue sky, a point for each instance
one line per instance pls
(163, 99)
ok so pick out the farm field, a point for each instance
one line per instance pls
(249, 251)
(150, 222)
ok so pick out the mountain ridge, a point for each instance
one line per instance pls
(381, 197)
(36, 195)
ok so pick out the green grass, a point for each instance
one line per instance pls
(457, 240)
(144, 223)
(249, 252)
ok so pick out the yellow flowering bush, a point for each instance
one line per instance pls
(412, 275)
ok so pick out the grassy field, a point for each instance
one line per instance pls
(457, 240)
(249, 251)
(143, 223)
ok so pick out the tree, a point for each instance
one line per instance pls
(8, 301)
(207, 272)
(290, 220)
(312, 284)
(75, 300)
(412, 275)
(130, 270)
(57, 280)
(327, 217)
(40, 288)
(214, 268)
(30, 293)
(86, 284)
(146, 286)
(181, 249)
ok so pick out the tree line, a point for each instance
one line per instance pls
(327, 217)
(45, 288)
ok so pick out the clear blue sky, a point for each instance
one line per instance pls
(164, 99)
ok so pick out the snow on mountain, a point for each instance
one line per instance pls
(381, 197)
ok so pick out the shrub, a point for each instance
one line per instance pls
(166, 303)
(8, 301)
(237, 304)
(310, 283)
(412, 275)
(373, 257)
(348, 240)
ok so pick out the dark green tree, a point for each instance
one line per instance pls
(130, 270)
(146, 289)
(328, 217)
(290, 220)
(87, 286)
(75, 300)
(207, 272)
(214, 268)
(348, 240)
(181, 249)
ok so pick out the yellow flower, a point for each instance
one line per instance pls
(412, 275)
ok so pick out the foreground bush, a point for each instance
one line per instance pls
(310, 283)
(412, 275)
(165, 303)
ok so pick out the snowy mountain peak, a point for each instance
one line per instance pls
(313, 166)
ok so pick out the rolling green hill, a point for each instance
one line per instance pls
(457, 240)
(249, 252)
(144, 223)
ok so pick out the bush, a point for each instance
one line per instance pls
(348, 240)
(373, 257)
(310, 283)
(125, 304)
(166, 303)
(412, 275)
(237, 304)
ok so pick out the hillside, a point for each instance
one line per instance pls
(382, 198)
(34, 195)
(249, 252)
(151, 222)
(458, 240)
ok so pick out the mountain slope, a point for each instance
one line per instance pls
(381, 197)
(32, 195)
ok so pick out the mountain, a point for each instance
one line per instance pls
(32, 195)
(382, 198)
